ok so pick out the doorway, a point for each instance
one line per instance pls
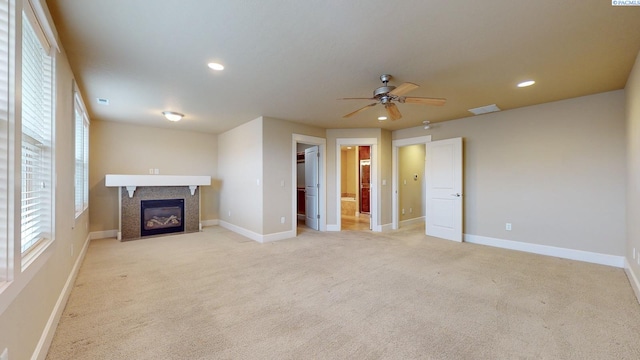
(308, 191)
(408, 160)
(355, 189)
(357, 168)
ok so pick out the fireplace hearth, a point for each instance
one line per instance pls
(161, 216)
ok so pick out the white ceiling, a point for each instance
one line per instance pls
(293, 59)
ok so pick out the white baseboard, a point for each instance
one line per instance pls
(586, 256)
(412, 221)
(634, 279)
(279, 236)
(386, 227)
(40, 353)
(106, 234)
(212, 222)
(255, 236)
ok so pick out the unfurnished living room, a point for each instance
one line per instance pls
(319, 179)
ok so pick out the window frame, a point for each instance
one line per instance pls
(81, 154)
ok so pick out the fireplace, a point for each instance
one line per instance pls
(161, 216)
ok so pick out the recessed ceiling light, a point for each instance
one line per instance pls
(172, 115)
(526, 83)
(215, 66)
(382, 118)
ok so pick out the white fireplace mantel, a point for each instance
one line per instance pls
(132, 181)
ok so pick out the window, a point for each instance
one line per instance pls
(37, 152)
(81, 154)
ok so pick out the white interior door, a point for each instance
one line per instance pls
(443, 217)
(311, 184)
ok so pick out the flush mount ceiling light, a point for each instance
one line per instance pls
(172, 115)
(382, 118)
(215, 66)
(426, 124)
(526, 83)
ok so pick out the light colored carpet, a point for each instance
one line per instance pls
(347, 295)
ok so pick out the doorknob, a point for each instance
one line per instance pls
(456, 194)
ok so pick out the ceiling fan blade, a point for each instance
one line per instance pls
(392, 110)
(356, 99)
(357, 111)
(425, 101)
(403, 89)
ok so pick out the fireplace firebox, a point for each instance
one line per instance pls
(161, 216)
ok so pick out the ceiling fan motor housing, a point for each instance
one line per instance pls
(382, 91)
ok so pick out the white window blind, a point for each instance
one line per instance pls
(36, 185)
(81, 155)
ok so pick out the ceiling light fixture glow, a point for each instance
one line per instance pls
(382, 118)
(172, 115)
(215, 66)
(526, 83)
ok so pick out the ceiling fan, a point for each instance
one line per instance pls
(388, 94)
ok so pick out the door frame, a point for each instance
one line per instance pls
(396, 145)
(322, 179)
(373, 190)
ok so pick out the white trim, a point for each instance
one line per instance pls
(386, 227)
(279, 236)
(373, 189)
(112, 180)
(212, 222)
(395, 145)
(412, 221)
(321, 143)
(572, 254)
(333, 227)
(106, 234)
(50, 328)
(258, 237)
(633, 278)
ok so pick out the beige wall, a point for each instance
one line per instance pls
(555, 171)
(411, 191)
(349, 176)
(277, 157)
(117, 148)
(632, 91)
(28, 302)
(240, 165)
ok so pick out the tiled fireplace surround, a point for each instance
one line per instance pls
(135, 188)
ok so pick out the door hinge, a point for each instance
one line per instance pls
(318, 216)
(318, 154)
(318, 186)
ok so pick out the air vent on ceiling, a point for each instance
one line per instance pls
(485, 109)
(103, 101)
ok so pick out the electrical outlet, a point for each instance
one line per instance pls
(282, 220)
(402, 211)
(405, 181)
(156, 171)
(507, 226)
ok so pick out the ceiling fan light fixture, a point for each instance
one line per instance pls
(215, 66)
(526, 83)
(172, 115)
